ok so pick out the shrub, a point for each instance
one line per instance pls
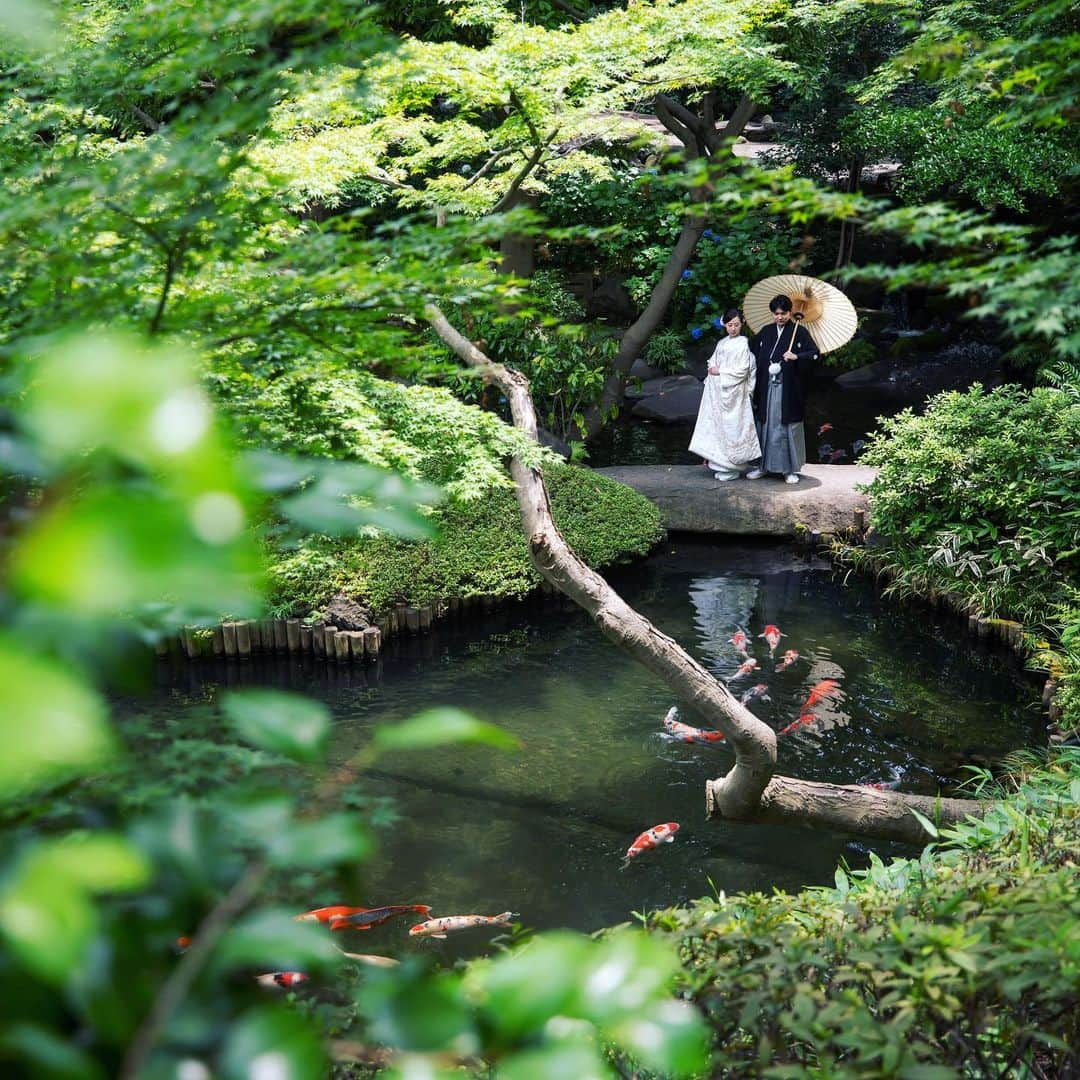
(665, 350)
(480, 550)
(981, 496)
(963, 961)
(857, 353)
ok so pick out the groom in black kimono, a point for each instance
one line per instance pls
(785, 355)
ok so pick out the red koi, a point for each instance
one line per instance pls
(824, 427)
(438, 928)
(325, 914)
(652, 838)
(740, 641)
(759, 691)
(182, 944)
(883, 785)
(686, 733)
(804, 719)
(744, 668)
(827, 688)
(283, 980)
(772, 637)
(787, 659)
(366, 918)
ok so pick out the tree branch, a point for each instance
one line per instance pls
(749, 791)
(753, 742)
(523, 173)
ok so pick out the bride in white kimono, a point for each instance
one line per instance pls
(725, 435)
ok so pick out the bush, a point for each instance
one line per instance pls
(964, 961)
(665, 350)
(480, 550)
(857, 353)
(981, 496)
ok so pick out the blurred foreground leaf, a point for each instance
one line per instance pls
(439, 727)
(282, 723)
(51, 724)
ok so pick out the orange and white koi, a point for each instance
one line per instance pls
(772, 637)
(827, 688)
(804, 719)
(744, 668)
(366, 918)
(824, 427)
(282, 980)
(759, 691)
(182, 943)
(740, 641)
(438, 928)
(651, 838)
(686, 733)
(787, 659)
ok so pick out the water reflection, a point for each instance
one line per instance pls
(543, 831)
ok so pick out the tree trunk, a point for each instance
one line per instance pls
(749, 791)
(700, 138)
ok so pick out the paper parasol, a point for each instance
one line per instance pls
(826, 312)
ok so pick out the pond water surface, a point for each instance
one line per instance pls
(543, 831)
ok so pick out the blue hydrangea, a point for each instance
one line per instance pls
(687, 275)
(708, 234)
(718, 323)
(716, 238)
(696, 332)
(704, 300)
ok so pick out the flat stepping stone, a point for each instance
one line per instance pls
(690, 500)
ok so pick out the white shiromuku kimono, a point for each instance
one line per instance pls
(725, 434)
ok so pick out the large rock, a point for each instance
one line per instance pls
(670, 400)
(690, 500)
(347, 614)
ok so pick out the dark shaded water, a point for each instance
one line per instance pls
(543, 831)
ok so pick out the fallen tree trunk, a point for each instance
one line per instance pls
(749, 792)
(848, 808)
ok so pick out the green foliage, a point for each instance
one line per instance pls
(962, 958)
(858, 352)
(980, 495)
(479, 549)
(666, 351)
(564, 359)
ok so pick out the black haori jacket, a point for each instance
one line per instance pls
(793, 376)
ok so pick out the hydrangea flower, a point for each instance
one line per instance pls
(696, 332)
(716, 238)
(718, 323)
(708, 234)
(703, 300)
(687, 275)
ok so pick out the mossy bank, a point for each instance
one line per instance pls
(479, 550)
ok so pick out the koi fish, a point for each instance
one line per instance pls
(182, 944)
(827, 688)
(745, 668)
(371, 959)
(787, 659)
(325, 914)
(366, 918)
(772, 637)
(759, 691)
(883, 785)
(651, 838)
(824, 427)
(740, 641)
(438, 928)
(686, 733)
(283, 980)
(804, 719)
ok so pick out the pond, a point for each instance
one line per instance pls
(543, 831)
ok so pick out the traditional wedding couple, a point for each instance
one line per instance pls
(751, 415)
